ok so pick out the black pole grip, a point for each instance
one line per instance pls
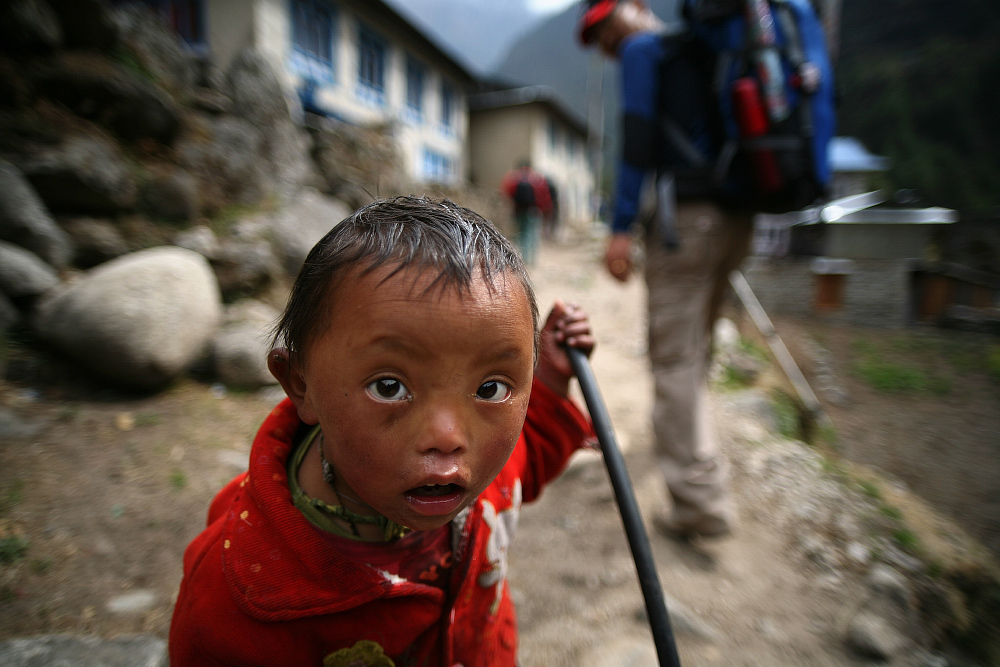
(642, 554)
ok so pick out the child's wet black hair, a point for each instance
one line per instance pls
(406, 232)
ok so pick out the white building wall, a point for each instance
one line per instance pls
(267, 25)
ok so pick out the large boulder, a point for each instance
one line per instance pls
(240, 346)
(23, 275)
(107, 93)
(140, 320)
(28, 26)
(302, 223)
(81, 174)
(26, 222)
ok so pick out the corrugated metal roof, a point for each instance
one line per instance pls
(849, 154)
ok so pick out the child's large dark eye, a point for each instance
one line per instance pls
(494, 390)
(388, 389)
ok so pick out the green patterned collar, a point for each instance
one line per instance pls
(324, 516)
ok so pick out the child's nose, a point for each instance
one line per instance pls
(445, 431)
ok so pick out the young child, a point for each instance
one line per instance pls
(373, 524)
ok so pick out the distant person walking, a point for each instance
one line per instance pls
(550, 222)
(530, 200)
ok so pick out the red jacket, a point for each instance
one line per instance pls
(262, 586)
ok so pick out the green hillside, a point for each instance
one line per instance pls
(918, 83)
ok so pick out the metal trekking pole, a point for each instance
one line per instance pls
(642, 554)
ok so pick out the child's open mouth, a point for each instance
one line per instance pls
(435, 489)
(436, 499)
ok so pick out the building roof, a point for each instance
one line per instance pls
(849, 154)
(510, 97)
(386, 17)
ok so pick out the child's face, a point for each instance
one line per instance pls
(415, 389)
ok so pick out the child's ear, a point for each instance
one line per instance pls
(289, 376)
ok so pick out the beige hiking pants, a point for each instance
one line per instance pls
(686, 289)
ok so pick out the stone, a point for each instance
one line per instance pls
(25, 221)
(725, 335)
(304, 222)
(226, 156)
(233, 459)
(255, 90)
(139, 320)
(240, 347)
(887, 581)
(29, 26)
(201, 239)
(157, 48)
(134, 602)
(171, 196)
(87, 24)
(102, 91)
(10, 317)
(621, 652)
(754, 403)
(96, 241)
(874, 637)
(684, 621)
(859, 553)
(257, 96)
(12, 426)
(83, 174)
(23, 275)
(245, 267)
(73, 651)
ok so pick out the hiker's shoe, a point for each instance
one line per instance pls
(709, 527)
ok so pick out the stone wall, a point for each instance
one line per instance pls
(876, 292)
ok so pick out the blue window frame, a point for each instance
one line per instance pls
(447, 107)
(437, 167)
(416, 74)
(371, 65)
(313, 39)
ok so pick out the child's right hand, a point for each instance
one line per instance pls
(566, 324)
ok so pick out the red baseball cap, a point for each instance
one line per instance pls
(595, 13)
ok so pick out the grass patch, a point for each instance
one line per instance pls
(907, 539)
(12, 496)
(993, 362)
(41, 565)
(787, 413)
(178, 480)
(870, 489)
(732, 380)
(894, 378)
(890, 511)
(147, 419)
(12, 549)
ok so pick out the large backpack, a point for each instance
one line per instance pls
(524, 194)
(744, 122)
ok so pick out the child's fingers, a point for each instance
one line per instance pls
(585, 343)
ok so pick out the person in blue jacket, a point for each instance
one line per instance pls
(687, 263)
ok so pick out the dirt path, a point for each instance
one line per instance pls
(109, 490)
